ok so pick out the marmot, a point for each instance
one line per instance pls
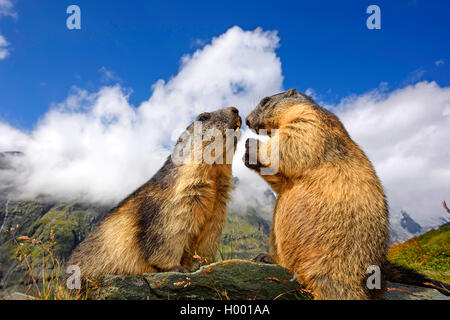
(179, 211)
(330, 221)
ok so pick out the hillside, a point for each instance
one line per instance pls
(428, 253)
(70, 223)
(244, 237)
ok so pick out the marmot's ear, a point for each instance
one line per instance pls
(291, 92)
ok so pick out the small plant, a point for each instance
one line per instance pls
(227, 251)
(43, 270)
(201, 261)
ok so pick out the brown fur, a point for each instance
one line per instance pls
(330, 221)
(159, 227)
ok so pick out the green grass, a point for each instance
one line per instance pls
(242, 239)
(428, 254)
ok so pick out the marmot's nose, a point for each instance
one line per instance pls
(247, 122)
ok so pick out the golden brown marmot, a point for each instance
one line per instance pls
(330, 221)
(179, 211)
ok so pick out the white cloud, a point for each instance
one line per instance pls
(439, 62)
(97, 147)
(6, 9)
(405, 133)
(414, 77)
(109, 75)
(4, 52)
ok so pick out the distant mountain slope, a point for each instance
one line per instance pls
(244, 237)
(404, 227)
(428, 253)
(71, 223)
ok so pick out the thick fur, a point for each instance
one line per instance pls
(159, 227)
(331, 217)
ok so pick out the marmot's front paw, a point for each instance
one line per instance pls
(264, 258)
(251, 156)
(180, 269)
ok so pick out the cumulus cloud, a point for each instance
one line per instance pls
(405, 133)
(98, 147)
(109, 76)
(6, 8)
(4, 52)
(439, 62)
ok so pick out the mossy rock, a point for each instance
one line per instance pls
(230, 279)
(399, 291)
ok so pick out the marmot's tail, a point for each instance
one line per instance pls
(400, 274)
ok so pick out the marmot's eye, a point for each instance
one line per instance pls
(203, 117)
(265, 101)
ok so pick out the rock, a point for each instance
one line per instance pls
(121, 288)
(229, 279)
(398, 291)
(18, 296)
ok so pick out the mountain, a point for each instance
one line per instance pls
(428, 253)
(8, 169)
(403, 227)
(409, 224)
(245, 235)
(70, 223)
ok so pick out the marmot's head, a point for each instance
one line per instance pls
(319, 135)
(270, 111)
(211, 138)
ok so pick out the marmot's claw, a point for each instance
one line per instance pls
(264, 258)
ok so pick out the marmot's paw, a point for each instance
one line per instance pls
(180, 269)
(264, 258)
(251, 158)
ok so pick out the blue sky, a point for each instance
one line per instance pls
(324, 45)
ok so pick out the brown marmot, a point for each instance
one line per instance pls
(330, 221)
(179, 211)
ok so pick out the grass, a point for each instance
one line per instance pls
(241, 239)
(42, 270)
(428, 254)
